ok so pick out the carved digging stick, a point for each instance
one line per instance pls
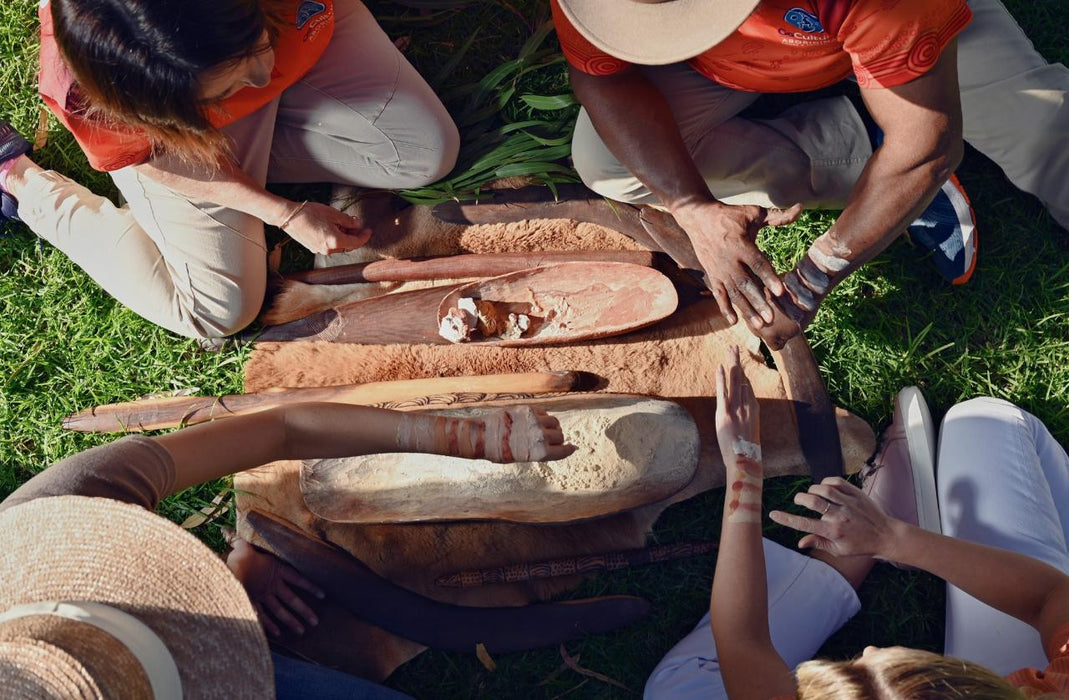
(430, 622)
(591, 563)
(155, 414)
(462, 266)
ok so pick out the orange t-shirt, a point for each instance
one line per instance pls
(1055, 679)
(110, 146)
(792, 46)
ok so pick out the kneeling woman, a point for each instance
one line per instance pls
(192, 108)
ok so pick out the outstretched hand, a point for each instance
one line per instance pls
(737, 418)
(737, 272)
(850, 523)
(270, 584)
(524, 434)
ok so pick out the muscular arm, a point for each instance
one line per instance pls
(635, 122)
(922, 146)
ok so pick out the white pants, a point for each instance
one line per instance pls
(1002, 480)
(1014, 110)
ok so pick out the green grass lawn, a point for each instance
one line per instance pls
(65, 345)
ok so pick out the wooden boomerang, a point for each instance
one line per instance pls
(430, 622)
(818, 431)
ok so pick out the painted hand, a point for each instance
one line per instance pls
(325, 230)
(736, 271)
(850, 523)
(737, 428)
(524, 434)
(270, 584)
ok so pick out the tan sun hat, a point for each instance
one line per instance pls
(101, 599)
(656, 32)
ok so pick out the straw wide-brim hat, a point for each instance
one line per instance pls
(656, 32)
(74, 548)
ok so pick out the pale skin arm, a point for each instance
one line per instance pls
(633, 118)
(1021, 586)
(749, 664)
(922, 146)
(319, 430)
(318, 227)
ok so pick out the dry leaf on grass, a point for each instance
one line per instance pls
(574, 665)
(210, 512)
(484, 657)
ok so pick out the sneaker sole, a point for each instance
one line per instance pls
(920, 440)
(967, 219)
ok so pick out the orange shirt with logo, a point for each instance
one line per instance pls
(804, 45)
(300, 44)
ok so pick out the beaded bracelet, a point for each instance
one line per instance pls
(293, 214)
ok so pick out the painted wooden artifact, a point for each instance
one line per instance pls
(631, 451)
(171, 412)
(565, 303)
(441, 625)
(572, 566)
(462, 266)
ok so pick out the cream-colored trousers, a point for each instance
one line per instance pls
(362, 116)
(1014, 107)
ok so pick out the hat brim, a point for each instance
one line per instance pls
(74, 548)
(657, 33)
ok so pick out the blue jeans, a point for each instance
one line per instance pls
(300, 680)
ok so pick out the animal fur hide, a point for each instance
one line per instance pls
(675, 359)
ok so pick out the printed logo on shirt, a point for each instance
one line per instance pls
(806, 21)
(308, 10)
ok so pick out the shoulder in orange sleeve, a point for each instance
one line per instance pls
(1055, 678)
(892, 42)
(581, 54)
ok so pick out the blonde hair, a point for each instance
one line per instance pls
(902, 674)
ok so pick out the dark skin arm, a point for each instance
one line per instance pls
(922, 146)
(633, 118)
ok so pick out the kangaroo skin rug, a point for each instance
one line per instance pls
(674, 359)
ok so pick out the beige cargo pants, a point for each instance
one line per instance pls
(362, 116)
(1014, 106)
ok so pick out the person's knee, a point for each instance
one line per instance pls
(598, 168)
(224, 316)
(979, 406)
(430, 160)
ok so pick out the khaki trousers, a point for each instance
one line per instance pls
(1014, 109)
(362, 116)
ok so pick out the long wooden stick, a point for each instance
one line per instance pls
(430, 622)
(155, 414)
(462, 266)
(570, 566)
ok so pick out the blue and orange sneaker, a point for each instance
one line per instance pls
(12, 145)
(947, 230)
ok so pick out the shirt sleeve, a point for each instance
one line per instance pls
(135, 469)
(892, 42)
(581, 54)
(107, 149)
